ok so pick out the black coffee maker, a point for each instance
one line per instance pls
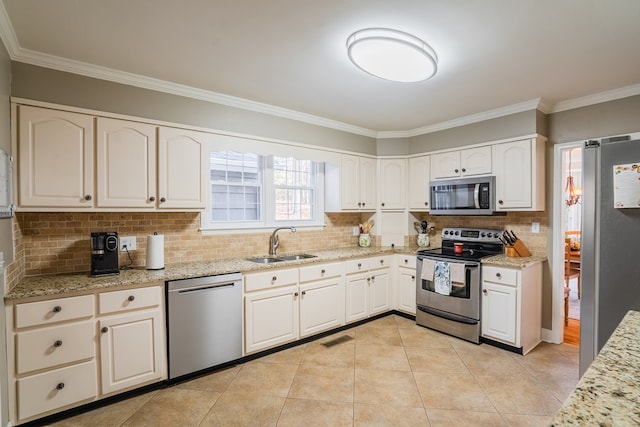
(104, 253)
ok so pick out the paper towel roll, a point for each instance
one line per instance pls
(155, 252)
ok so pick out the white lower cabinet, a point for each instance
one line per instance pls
(57, 347)
(512, 305)
(284, 305)
(368, 287)
(406, 280)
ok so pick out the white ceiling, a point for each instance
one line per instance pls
(287, 57)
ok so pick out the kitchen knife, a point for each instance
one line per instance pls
(513, 236)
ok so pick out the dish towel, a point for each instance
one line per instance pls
(442, 281)
(428, 266)
(456, 274)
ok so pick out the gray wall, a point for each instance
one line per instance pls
(43, 84)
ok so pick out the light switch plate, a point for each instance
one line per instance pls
(535, 227)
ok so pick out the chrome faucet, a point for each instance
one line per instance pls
(273, 240)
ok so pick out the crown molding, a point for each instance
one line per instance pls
(596, 98)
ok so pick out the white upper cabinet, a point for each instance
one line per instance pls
(182, 168)
(520, 180)
(419, 176)
(352, 185)
(456, 164)
(126, 164)
(55, 158)
(392, 183)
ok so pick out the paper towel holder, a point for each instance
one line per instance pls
(155, 252)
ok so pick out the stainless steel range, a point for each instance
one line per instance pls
(448, 281)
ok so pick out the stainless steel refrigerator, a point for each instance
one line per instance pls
(610, 259)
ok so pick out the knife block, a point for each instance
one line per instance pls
(518, 249)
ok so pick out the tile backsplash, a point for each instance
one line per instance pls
(53, 243)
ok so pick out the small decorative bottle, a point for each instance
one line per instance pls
(364, 240)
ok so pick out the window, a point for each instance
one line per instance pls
(236, 186)
(250, 190)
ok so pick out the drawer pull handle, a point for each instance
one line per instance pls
(406, 261)
(131, 298)
(322, 271)
(104, 329)
(57, 309)
(381, 261)
(498, 275)
(359, 265)
(60, 386)
(485, 292)
(58, 343)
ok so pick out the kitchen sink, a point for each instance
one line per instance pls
(297, 257)
(266, 260)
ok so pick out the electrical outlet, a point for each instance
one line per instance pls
(129, 242)
(535, 227)
(355, 231)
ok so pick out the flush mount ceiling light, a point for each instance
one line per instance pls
(392, 55)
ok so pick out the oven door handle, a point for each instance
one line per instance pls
(476, 196)
(474, 265)
(448, 316)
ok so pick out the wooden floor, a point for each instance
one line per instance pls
(572, 332)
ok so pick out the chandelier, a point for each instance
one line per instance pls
(573, 192)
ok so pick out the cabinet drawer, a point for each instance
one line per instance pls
(131, 299)
(356, 265)
(53, 310)
(321, 271)
(56, 345)
(408, 261)
(505, 276)
(270, 279)
(379, 262)
(55, 389)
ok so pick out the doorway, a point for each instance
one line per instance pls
(568, 203)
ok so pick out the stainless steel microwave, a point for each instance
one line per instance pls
(463, 196)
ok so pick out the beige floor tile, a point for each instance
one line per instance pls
(515, 420)
(340, 355)
(378, 334)
(217, 381)
(452, 391)
(327, 383)
(436, 361)
(386, 321)
(385, 415)
(263, 379)
(299, 412)
(518, 394)
(290, 356)
(174, 406)
(378, 356)
(550, 365)
(394, 388)
(110, 415)
(455, 418)
(233, 409)
(419, 337)
(486, 359)
(560, 387)
(404, 323)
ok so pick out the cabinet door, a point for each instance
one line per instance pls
(357, 297)
(407, 290)
(512, 162)
(55, 158)
(445, 165)
(271, 318)
(475, 161)
(182, 169)
(368, 181)
(126, 164)
(380, 291)
(321, 306)
(499, 312)
(131, 349)
(419, 177)
(392, 183)
(350, 182)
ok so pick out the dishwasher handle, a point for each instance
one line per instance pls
(204, 288)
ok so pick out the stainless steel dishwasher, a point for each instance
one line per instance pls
(204, 322)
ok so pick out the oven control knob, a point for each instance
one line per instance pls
(483, 234)
(495, 235)
(456, 233)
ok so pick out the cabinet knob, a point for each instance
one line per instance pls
(406, 261)
(381, 261)
(464, 170)
(359, 265)
(162, 199)
(485, 292)
(131, 298)
(498, 275)
(456, 170)
(57, 309)
(500, 202)
(363, 203)
(304, 293)
(60, 386)
(296, 294)
(359, 204)
(383, 204)
(58, 343)
(368, 279)
(274, 278)
(322, 271)
(88, 197)
(104, 329)
(413, 277)
(152, 199)
(426, 203)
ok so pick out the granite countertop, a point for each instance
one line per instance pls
(514, 262)
(37, 286)
(608, 394)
